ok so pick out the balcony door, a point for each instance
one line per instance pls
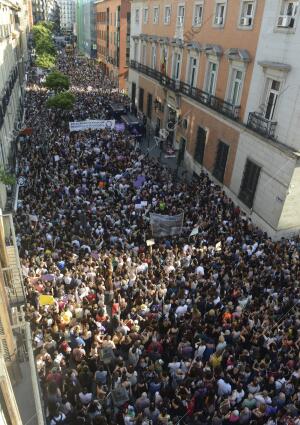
(180, 17)
(221, 161)
(176, 66)
(271, 98)
(192, 72)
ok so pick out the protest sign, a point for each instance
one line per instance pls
(195, 231)
(166, 225)
(150, 242)
(107, 355)
(47, 277)
(92, 125)
(119, 396)
(46, 299)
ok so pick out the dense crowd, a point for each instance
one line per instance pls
(195, 330)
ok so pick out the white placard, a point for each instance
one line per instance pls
(194, 231)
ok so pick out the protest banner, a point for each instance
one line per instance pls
(92, 125)
(166, 225)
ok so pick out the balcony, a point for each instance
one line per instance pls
(213, 102)
(261, 125)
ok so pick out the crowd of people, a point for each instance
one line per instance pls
(195, 330)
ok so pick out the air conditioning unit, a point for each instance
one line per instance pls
(284, 21)
(245, 22)
(219, 20)
(197, 20)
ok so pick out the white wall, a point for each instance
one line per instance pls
(136, 29)
(279, 45)
(272, 193)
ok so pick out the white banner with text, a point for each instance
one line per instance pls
(92, 125)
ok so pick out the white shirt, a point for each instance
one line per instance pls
(223, 388)
(200, 270)
(181, 310)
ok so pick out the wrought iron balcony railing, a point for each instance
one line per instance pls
(213, 102)
(261, 125)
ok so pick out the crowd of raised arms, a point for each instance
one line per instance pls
(200, 330)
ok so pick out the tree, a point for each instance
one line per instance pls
(45, 60)
(47, 24)
(40, 32)
(6, 178)
(64, 100)
(45, 45)
(57, 81)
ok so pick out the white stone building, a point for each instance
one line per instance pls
(138, 15)
(67, 14)
(273, 106)
(13, 57)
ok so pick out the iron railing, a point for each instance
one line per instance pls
(213, 102)
(261, 125)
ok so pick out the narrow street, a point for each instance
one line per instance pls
(143, 327)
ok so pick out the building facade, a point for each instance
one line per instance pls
(38, 10)
(13, 58)
(86, 28)
(136, 30)
(67, 15)
(220, 77)
(113, 38)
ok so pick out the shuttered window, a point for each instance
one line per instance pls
(249, 183)
(221, 160)
(200, 145)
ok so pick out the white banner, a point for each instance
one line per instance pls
(92, 125)
(166, 225)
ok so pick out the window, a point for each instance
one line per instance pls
(149, 106)
(198, 13)
(137, 16)
(200, 145)
(176, 66)
(221, 160)
(144, 54)
(167, 17)
(180, 16)
(155, 15)
(192, 71)
(145, 15)
(288, 14)
(135, 51)
(164, 59)
(249, 183)
(153, 57)
(220, 14)
(211, 78)
(247, 14)
(236, 87)
(273, 88)
(141, 99)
